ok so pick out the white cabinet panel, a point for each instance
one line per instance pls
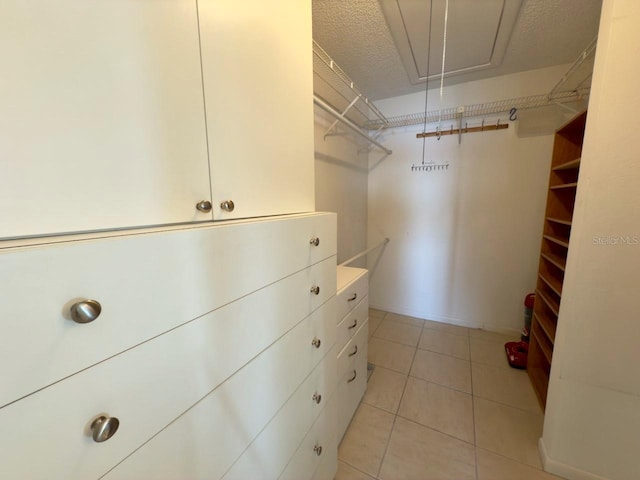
(270, 452)
(205, 441)
(317, 444)
(147, 284)
(102, 118)
(352, 377)
(257, 68)
(350, 324)
(353, 285)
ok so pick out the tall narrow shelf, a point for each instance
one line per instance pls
(563, 181)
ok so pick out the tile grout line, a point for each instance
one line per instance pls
(473, 415)
(395, 416)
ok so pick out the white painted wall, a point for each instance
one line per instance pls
(592, 421)
(341, 185)
(465, 242)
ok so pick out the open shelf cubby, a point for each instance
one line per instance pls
(563, 183)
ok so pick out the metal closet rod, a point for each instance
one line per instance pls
(363, 253)
(328, 108)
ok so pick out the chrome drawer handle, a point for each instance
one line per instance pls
(315, 241)
(354, 351)
(355, 374)
(351, 299)
(315, 290)
(227, 205)
(316, 342)
(318, 449)
(85, 311)
(317, 398)
(355, 324)
(103, 428)
(204, 206)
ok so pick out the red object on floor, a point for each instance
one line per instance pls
(517, 353)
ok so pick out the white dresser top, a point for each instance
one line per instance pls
(348, 275)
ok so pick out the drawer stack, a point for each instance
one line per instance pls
(204, 349)
(352, 339)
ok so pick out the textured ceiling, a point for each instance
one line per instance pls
(356, 36)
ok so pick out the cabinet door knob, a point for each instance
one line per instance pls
(103, 428)
(315, 241)
(315, 289)
(355, 374)
(85, 311)
(227, 206)
(318, 449)
(355, 350)
(317, 397)
(316, 342)
(204, 206)
(351, 299)
(354, 325)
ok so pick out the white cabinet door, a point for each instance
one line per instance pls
(258, 82)
(101, 115)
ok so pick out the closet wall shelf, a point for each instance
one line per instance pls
(568, 165)
(573, 87)
(557, 241)
(556, 260)
(543, 341)
(553, 285)
(565, 164)
(557, 220)
(547, 326)
(564, 185)
(553, 306)
(338, 95)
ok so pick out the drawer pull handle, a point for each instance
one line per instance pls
(355, 374)
(316, 342)
(85, 311)
(355, 350)
(351, 299)
(315, 241)
(355, 324)
(318, 449)
(204, 206)
(315, 290)
(317, 398)
(103, 428)
(227, 205)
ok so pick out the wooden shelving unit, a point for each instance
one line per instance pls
(563, 181)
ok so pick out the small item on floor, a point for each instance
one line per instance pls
(528, 313)
(370, 367)
(517, 353)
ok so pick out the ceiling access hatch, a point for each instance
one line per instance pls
(478, 33)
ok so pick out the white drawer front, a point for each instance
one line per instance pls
(206, 440)
(146, 284)
(352, 377)
(350, 324)
(329, 460)
(274, 447)
(150, 385)
(349, 297)
(317, 444)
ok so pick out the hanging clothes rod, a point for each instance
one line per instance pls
(329, 109)
(362, 254)
(459, 131)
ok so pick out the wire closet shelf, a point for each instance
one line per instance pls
(338, 95)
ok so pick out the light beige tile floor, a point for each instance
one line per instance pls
(442, 403)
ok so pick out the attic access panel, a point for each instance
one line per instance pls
(477, 34)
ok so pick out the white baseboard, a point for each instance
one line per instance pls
(562, 469)
(401, 310)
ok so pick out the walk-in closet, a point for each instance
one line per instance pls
(319, 239)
